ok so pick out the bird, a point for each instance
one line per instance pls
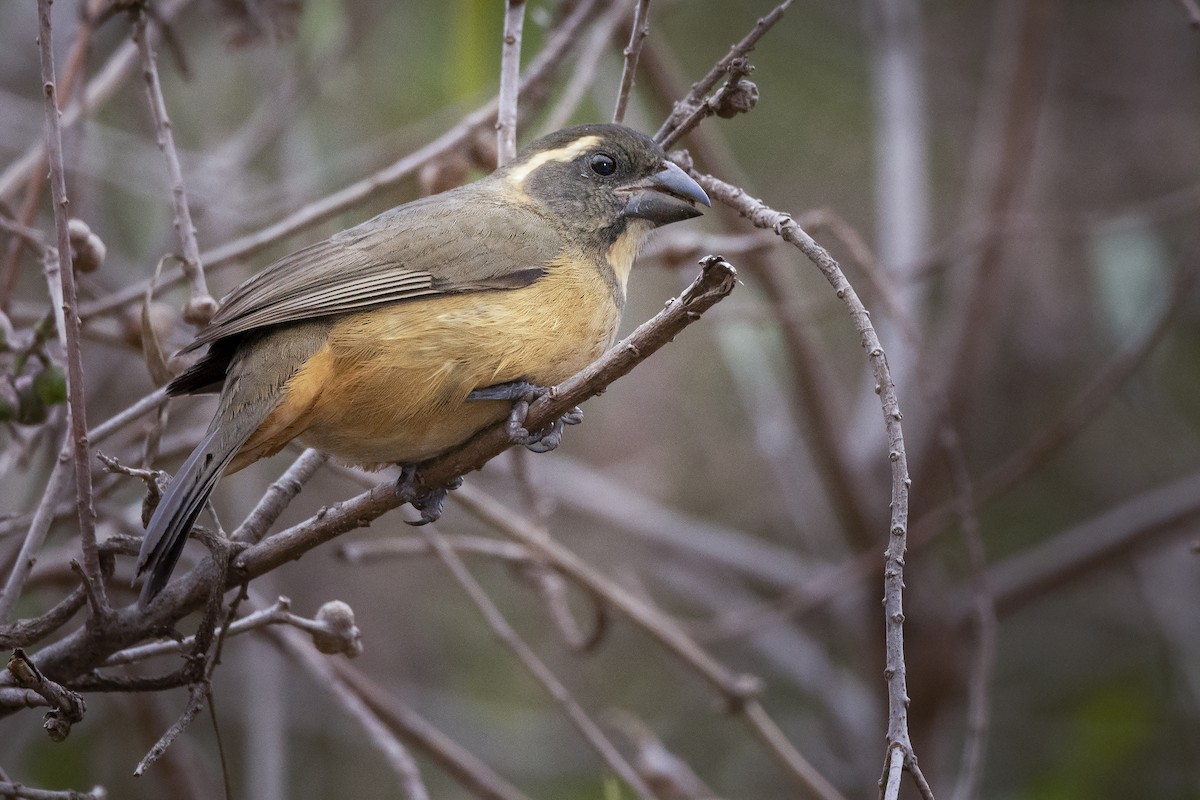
(398, 339)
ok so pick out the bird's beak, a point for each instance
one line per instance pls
(667, 196)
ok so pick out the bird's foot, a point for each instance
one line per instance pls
(430, 502)
(521, 394)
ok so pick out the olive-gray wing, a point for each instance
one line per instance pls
(468, 239)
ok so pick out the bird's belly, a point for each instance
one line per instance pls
(376, 436)
(393, 384)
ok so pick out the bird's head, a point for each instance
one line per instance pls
(608, 184)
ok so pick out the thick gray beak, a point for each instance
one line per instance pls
(667, 196)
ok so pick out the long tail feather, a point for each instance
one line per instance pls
(177, 510)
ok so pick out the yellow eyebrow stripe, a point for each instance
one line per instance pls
(568, 153)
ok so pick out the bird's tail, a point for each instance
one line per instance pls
(180, 505)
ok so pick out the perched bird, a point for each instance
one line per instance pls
(402, 337)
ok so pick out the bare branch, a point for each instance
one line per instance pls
(35, 537)
(201, 306)
(633, 51)
(1025, 88)
(1081, 549)
(66, 707)
(895, 772)
(200, 692)
(28, 632)
(763, 216)
(278, 496)
(734, 688)
(31, 236)
(510, 73)
(736, 96)
(17, 790)
(370, 552)
(834, 469)
(695, 98)
(75, 391)
(1104, 385)
(278, 613)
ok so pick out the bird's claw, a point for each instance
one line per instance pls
(546, 440)
(522, 394)
(431, 502)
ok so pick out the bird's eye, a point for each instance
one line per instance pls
(603, 164)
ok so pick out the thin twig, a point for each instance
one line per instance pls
(778, 745)
(31, 236)
(724, 101)
(633, 51)
(833, 467)
(623, 507)
(590, 731)
(784, 226)
(35, 184)
(919, 779)
(1102, 540)
(276, 614)
(201, 306)
(695, 98)
(200, 692)
(974, 298)
(1061, 430)
(510, 73)
(22, 792)
(1083, 408)
(278, 496)
(76, 396)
